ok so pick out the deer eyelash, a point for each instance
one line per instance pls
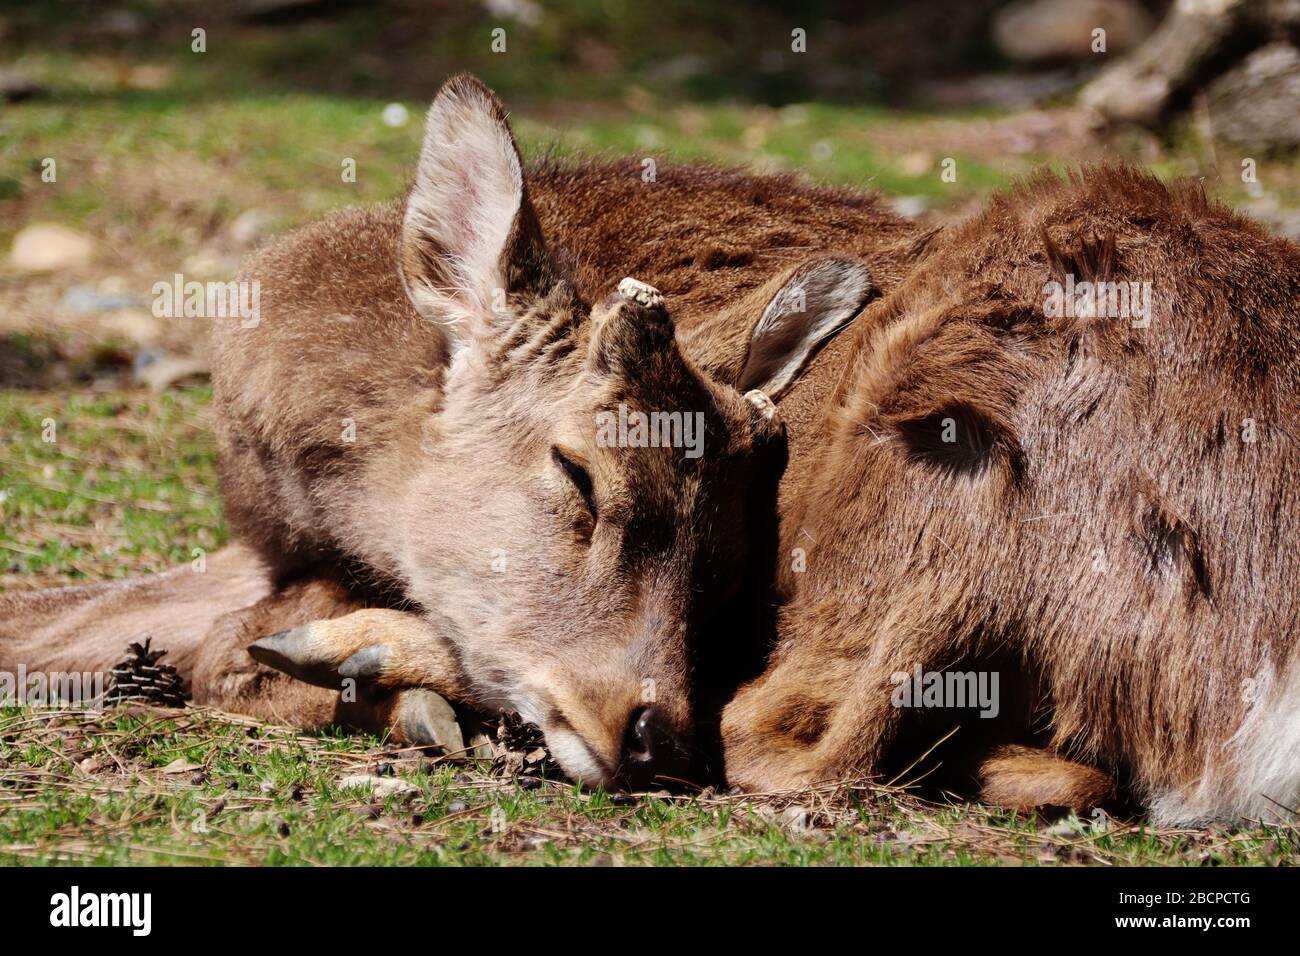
(580, 478)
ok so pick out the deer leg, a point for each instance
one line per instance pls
(381, 648)
(817, 715)
(88, 628)
(1027, 778)
(228, 675)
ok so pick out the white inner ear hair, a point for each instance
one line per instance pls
(467, 193)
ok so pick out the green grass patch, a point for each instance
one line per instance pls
(105, 485)
(137, 785)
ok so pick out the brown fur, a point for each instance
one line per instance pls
(1023, 778)
(1099, 531)
(289, 379)
(716, 242)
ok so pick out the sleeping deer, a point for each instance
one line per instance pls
(1090, 495)
(416, 423)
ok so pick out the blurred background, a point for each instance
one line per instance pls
(133, 148)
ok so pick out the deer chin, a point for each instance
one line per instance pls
(576, 758)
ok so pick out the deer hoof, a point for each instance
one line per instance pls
(297, 654)
(366, 664)
(424, 719)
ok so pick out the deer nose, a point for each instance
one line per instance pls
(650, 750)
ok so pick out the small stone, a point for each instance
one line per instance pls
(380, 786)
(168, 370)
(1037, 30)
(16, 86)
(456, 807)
(251, 226)
(208, 264)
(395, 115)
(87, 300)
(49, 247)
(135, 325)
(149, 76)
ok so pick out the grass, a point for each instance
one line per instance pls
(209, 160)
(138, 785)
(101, 480)
(125, 484)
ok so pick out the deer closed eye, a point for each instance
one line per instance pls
(579, 476)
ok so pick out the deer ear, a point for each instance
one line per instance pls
(818, 300)
(470, 234)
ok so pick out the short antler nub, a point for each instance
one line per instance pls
(762, 404)
(641, 293)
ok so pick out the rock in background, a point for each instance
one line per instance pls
(1258, 102)
(1239, 57)
(1037, 31)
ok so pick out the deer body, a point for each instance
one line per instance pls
(398, 420)
(1099, 508)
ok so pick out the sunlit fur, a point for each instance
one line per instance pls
(1104, 535)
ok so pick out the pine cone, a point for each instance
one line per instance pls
(141, 678)
(521, 748)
